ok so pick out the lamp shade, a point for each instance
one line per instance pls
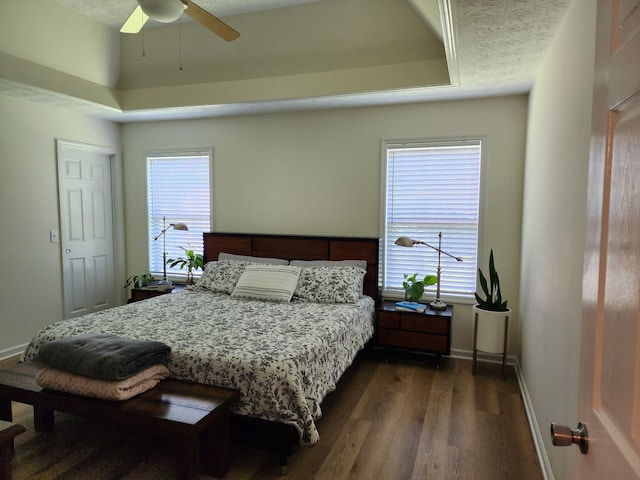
(164, 11)
(405, 242)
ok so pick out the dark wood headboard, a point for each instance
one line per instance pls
(296, 247)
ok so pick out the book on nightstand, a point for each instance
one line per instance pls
(411, 307)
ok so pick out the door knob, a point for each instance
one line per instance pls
(563, 436)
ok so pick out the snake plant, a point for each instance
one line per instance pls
(493, 296)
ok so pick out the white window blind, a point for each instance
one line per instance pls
(432, 187)
(178, 188)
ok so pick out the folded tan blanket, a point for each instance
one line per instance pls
(106, 389)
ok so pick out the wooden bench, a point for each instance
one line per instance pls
(196, 415)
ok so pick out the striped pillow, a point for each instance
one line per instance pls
(267, 282)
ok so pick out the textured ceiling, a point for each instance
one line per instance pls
(113, 13)
(503, 41)
(492, 47)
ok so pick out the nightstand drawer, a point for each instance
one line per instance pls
(388, 320)
(419, 341)
(429, 332)
(424, 323)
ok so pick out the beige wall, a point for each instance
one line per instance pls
(31, 273)
(306, 173)
(554, 227)
(46, 45)
(318, 173)
(45, 33)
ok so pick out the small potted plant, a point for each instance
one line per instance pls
(491, 313)
(191, 261)
(414, 288)
(139, 281)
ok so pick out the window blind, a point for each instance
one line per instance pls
(178, 188)
(432, 187)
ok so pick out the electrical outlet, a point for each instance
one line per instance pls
(53, 236)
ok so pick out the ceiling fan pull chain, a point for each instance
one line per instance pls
(180, 44)
(142, 21)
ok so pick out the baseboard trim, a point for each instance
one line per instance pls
(543, 458)
(12, 351)
(536, 434)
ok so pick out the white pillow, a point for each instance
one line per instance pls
(330, 263)
(250, 259)
(263, 281)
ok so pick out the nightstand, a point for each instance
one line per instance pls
(143, 293)
(428, 332)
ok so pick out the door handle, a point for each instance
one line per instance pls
(563, 436)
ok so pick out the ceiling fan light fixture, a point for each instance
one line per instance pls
(164, 11)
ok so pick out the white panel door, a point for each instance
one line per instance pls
(609, 401)
(86, 221)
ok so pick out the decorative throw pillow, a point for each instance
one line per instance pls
(221, 276)
(263, 281)
(330, 284)
(333, 263)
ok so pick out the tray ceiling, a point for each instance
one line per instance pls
(489, 47)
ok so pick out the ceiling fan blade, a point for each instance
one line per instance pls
(210, 21)
(135, 21)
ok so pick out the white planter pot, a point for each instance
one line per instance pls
(490, 335)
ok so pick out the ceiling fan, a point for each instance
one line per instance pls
(167, 11)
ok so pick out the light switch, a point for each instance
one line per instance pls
(53, 236)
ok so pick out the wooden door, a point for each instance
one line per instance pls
(610, 367)
(86, 220)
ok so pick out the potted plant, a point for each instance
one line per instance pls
(414, 288)
(139, 281)
(491, 314)
(192, 261)
(493, 296)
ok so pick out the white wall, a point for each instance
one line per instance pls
(318, 173)
(31, 273)
(554, 219)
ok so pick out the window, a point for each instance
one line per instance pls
(432, 187)
(177, 189)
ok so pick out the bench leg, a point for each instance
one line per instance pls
(186, 457)
(5, 410)
(7, 415)
(42, 419)
(6, 452)
(6, 448)
(216, 448)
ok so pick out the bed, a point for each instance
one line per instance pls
(283, 356)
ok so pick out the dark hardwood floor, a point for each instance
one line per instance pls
(397, 420)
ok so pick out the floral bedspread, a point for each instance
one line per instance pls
(283, 357)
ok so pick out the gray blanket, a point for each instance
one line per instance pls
(106, 357)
